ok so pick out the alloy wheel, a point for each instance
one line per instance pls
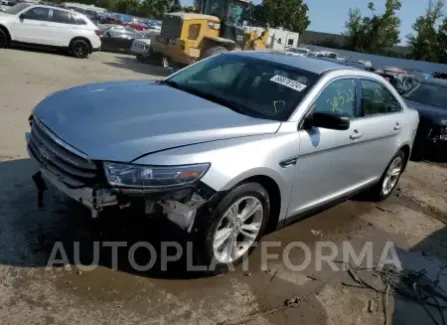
(80, 50)
(392, 175)
(238, 229)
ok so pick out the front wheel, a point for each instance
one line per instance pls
(233, 229)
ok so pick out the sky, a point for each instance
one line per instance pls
(330, 15)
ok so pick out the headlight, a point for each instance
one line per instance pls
(129, 175)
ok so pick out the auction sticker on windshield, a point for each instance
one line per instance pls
(284, 81)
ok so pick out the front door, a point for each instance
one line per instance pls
(330, 162)
(32, 27)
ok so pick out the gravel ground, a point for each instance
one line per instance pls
(413, 219)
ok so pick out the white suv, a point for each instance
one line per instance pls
(49, 26)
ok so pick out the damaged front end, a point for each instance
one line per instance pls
(175, 191)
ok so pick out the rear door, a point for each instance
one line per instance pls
(61, 27)
(381, 123)
(32, 26)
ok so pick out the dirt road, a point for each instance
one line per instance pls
(413, 220)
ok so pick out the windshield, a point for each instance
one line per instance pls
(14, 10)
(429, 94)
(253, 87)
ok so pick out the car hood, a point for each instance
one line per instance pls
(121, 121)
(436, 115)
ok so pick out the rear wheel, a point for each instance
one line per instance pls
(389, 179)
(213, 51)
(80, 49)
(4, 38)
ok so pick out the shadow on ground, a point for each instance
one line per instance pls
(41, 49)
(28, 236)
(132, 64)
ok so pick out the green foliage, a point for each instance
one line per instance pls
(288, 14)
(429, 42)
(145, 8)
(375, 33)
(176, 6)
(196, 5)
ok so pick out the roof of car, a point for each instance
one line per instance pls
(436, 81)
(309, 64)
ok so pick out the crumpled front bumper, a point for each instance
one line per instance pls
(94, 199)
(180, 205)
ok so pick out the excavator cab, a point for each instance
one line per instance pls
(234, 14)
(188, 37)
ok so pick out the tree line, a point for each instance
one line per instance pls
(374, 33)
(378, 33)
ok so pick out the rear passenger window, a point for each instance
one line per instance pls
(376, 99)
(37, 13)
(78, 20)
(338, 97)
(62, 17)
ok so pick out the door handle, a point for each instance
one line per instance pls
(356, 135)
(397, 126)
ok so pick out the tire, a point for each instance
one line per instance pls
(80, 49)
(380, 191)
(211, 223)
(4, 39)
(213, 51)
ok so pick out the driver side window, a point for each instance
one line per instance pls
(338, 97)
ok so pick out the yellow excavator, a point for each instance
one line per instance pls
(219, 27)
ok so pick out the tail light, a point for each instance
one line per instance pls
(98, 32)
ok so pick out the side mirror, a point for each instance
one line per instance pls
(22, 17)
(328, 121)
(108, 34)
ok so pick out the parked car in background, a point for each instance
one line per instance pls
(313, 54)
(137, 24)
(399, 78)
(228, 148)
(299, 51)
(153, 25)
(9, 3)
(429, 98)
(141, 46)
(119, 38)
(50, 26)
(354, 64)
